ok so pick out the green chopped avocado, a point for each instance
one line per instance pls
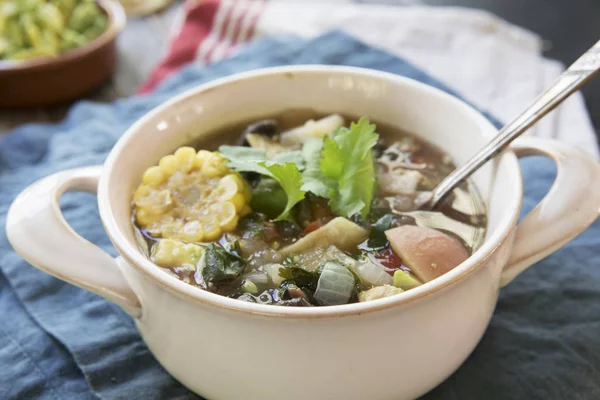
(268, 198)
(404, 280)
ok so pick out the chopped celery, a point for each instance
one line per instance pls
(405, 280)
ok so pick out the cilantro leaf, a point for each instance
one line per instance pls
(290, 156)
(290, 179)
(340, 168)
(356, 176)
(244, 159)
(220, 265)
(283, 168)
(313, 178)
(346, 170)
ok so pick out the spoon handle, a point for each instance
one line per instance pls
(568, 82)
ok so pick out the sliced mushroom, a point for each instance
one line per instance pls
(297, 293)
(270, 146)
(266, 127)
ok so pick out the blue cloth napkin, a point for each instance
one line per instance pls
(61, 342)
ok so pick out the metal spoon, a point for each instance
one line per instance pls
(577, 75)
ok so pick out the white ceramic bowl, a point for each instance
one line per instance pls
(251, 351)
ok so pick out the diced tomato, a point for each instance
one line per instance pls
(271, 233)
(313, 226)
(388, 260)
(417, 159)
(320, 209)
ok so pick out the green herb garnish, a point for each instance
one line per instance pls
(340, 168)
(221, 266)
(347, 159)
(283, 169)
(377, 238)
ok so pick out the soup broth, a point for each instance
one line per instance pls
(305, 209)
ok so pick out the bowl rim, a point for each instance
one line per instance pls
(116, 23)
(133, 256)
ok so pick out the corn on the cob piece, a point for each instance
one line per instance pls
(191, 196)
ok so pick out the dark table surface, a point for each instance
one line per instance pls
(569, 26)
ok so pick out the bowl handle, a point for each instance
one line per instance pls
(38, 232)
(570, 206)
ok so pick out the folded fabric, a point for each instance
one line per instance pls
(63, 342)
(492, 63)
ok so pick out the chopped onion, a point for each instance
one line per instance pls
(272, 271)
(249, 287)
(372, 274)
(257, 277)
(141, 242)
(335, 285)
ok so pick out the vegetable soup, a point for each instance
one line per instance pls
(302, 209)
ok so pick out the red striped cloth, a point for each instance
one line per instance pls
(211, 30)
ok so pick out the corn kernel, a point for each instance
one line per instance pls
(144, 217)
(223, 212)
(170, 253)
(247, 193)
(211, 230)
(228, 187)
(171, 227)
(245, 211)
(230, 225)
(192, 232)
(241, 183)
(168, 164)
(238, 201)
(218, 160)
(139, 197)
(155, 201)
(210, 171)
(185, 158)
(201, 158)
(153, 176)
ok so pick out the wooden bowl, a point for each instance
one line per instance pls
(52, 81)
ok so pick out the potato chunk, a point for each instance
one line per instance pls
(339, 232)
(378, 292)
(312, 129)
(427, 252)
